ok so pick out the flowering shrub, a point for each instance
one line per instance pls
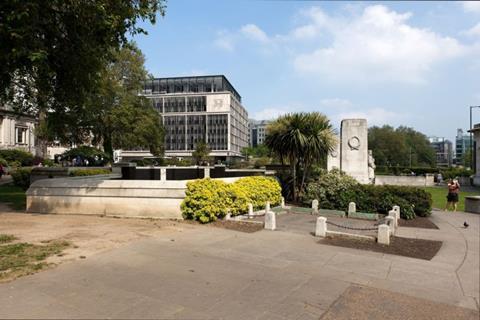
(208, 199)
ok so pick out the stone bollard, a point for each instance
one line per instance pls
(390, 221)
(383, 234)
(206, 172)
(321, 227)
(282, 203)
(315, 206)
(352, 207)
(267, 207)
(163, 174)
(397, 210)
(393, 214)
(250, 210)
(270, 221)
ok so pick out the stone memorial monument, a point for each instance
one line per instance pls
(351, 155)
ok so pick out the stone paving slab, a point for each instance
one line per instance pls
(372, 304)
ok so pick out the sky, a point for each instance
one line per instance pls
(398, 63)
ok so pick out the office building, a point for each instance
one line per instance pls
(257, 131)
(443, 151)
(203, 108)
(462, 146)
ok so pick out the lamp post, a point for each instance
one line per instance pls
(472, 159)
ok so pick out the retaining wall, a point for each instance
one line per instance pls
(101, 195)
(414, 181)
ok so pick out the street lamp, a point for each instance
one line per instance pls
(472, 160)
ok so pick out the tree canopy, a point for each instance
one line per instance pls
(53, 54)
(201, 153)
(402, 146)
(301, 139)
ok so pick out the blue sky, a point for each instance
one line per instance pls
(397, 63)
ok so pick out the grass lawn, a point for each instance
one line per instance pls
(439, 197)
(19, 259)
(13, 195)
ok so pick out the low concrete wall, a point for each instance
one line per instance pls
(472, 204)
(414, 181)
(99, 195)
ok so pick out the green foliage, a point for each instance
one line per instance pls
(48, 163)
(262, 162)
(208, 199)
(21, 177)
(201, 153)
(88, 172)
(89, 153)
(53, 52)
(3, 162)
(13, 156)
(402, 146)
(301, 139)
(335, 190)
(259, 151)
(452, 173)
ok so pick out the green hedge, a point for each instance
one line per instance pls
(21, 177)
(88, 172)
(336, 190)
(17, 156)
(208, 199)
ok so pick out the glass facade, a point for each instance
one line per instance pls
(201, 84)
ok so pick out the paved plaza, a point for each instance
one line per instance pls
(203, 272)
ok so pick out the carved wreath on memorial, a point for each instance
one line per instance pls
(354, 143)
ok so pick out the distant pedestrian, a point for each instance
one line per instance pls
(452, 196)
(2, 171)
(439, 178)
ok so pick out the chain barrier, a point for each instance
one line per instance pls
(352, 228)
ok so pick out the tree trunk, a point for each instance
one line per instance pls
(107, 145)
(294, 182)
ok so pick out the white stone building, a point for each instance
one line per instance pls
(17, 131)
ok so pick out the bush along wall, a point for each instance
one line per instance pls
(207, 199)
(21, 177)
(336, 190)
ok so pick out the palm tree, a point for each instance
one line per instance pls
(301, 139)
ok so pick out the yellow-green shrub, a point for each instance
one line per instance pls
(255, 190)
(88, 172)
(207, 199)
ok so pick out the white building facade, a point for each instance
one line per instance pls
(17, 131)
(194, 109)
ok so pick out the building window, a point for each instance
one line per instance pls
(20, 135)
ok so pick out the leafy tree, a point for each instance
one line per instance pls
(118, 117)
(201, 153)
(400, 147)
(259, 151)
(301, 139)
(53, 53)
